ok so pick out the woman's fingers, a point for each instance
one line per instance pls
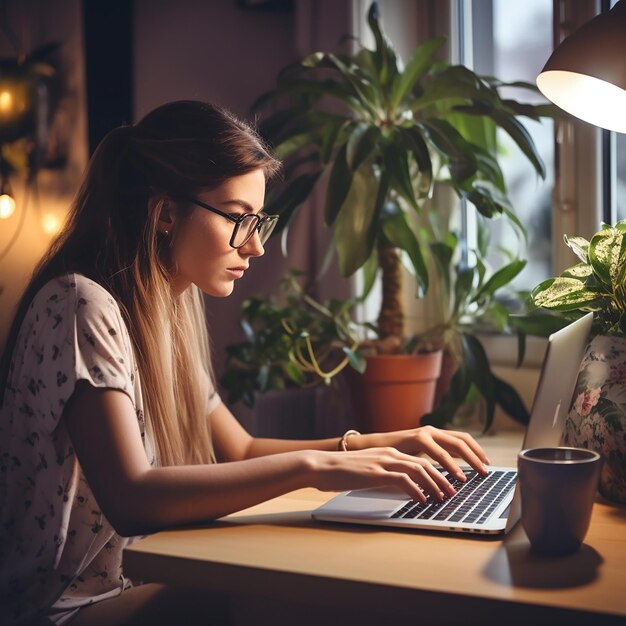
(398, 466)
(429, 479)
(471, 443)
(419, 471)
(442, 446)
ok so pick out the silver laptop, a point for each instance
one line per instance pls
(482, 504)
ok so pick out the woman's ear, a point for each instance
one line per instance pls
(167, 215)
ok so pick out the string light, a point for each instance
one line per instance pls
(50, 223)
(7, 206)
(7, 202)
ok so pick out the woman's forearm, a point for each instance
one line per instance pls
(179, 495)
(261, 447)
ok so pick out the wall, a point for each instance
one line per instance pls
(212, 50)
(220, 52)
(35, 23)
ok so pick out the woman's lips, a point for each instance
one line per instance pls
(237, 272)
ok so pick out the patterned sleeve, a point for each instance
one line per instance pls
(74, 332)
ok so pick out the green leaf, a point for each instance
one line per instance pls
(315, 123)
(489, 167)
(517, 131)
(293, 144)
(508, 398)
(397, 230)
(462, 286)
(362, 141)
(604, 254)
(263, 377)
(329, 138)
(478, 368)
(313, 60)
(355, 359)
(365, 92)
(456, 83)
(397, 166)
(418, 65)
(563, 294)
(497, 316)
(521, 347)
(581, 271)
(533, 111)
(502, 277)
(538, 324)
(271, 126)
(248, 331)
(339, 184)
(384, 54)
(366, 60)
(515, 221)
(294, 374)
(290, 198)
(353, 234)
(481, 197)
(460, 386)
(414, 141)
(478, 130)
(302, 93)
(370, 273)
(443, 252)
(449, 142)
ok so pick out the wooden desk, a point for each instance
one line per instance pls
(342, 574)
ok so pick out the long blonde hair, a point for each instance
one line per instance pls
(111, 237)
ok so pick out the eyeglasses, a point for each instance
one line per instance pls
(246, 224)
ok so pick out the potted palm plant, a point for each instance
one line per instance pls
(384, 137)
(597, 416)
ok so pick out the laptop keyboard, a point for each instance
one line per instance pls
(475, 500)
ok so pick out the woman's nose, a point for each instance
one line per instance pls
(253, 246)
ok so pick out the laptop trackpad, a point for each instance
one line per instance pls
(366, 503)
(387, 493)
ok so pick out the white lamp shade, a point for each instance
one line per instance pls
(586, 74)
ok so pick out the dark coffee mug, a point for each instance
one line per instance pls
(557, 488)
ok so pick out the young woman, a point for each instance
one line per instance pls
(111, 426)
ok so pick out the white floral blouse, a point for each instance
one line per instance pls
(57, 550)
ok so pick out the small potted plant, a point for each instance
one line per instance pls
(388, 138)
(473, 299)
(597, 416)
(289, 350)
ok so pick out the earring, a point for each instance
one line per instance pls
(166, 232)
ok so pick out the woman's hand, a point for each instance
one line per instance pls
(378, 467)
(443, 446)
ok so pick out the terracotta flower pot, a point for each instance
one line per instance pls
(395, 391)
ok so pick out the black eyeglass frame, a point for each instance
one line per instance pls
(238, 219)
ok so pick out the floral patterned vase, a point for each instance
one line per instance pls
(597, 416)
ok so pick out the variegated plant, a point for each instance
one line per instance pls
(597, 283)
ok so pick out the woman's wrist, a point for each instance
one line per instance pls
(342, 445)
(370, 440)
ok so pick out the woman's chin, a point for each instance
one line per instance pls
(218, 291)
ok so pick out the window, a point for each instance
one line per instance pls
(618, 176)
(512, 41)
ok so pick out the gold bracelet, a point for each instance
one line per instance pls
(343, 442)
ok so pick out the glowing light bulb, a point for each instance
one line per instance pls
(6, 101)
(51, 224)
(7, 206)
